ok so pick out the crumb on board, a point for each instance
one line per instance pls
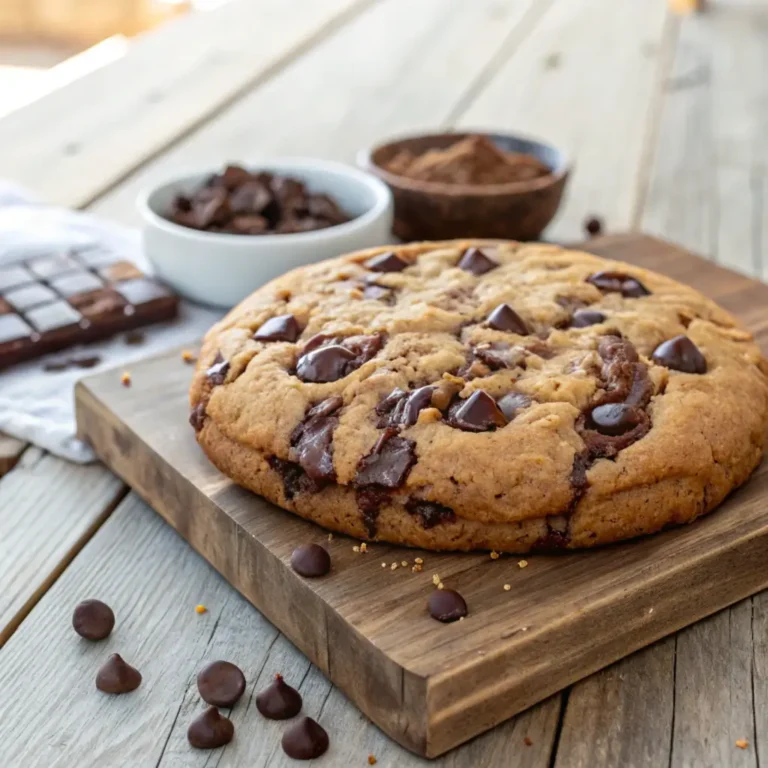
(494, 555)
(435, 579)
(441, 585)
(418, 561)
(393, 566)
(363, 547)
(528, 741)
(522, 563)
(200, 609)
(742, 743)
(125, 379)
(383, 565)
(404, 563)
(417, 568)
(188, 356)
(507, 587)
(330, 537)
(356, 548)
(372, 760)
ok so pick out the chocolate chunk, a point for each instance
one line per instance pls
(582, 318)
(281, 328)
(430, 513)
(613, 419)
(625, 378)
(197, 416)
(279, 701)
(305, 740)
(312, 440)
(55, 366)
(680, 354)
(504, 318)
(446, 605)
(370, 500)
(403, 408)
(557, 537)
(325, 364)
(388, 463)
(511, 404)
(85, 362)
(478, 413)
(93, 619)
(217, 373)
(115, 676)
(134, 338)
(221, 683)
(499, 355)
(378, 293)
(210, 730)
(593, 226)
(311, 561)
(294, 478)
(475, 261)
(618, 282)
(386, 262)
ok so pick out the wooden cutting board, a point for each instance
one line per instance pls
(432, 686)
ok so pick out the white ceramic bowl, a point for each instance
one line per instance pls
(222, 269)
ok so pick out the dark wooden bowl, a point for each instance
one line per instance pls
(426, 210)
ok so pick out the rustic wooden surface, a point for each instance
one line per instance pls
(665, 116)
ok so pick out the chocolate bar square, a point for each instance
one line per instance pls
(95, 257)
(12, 328)
(77, 282)
(55, 316)
(29, 296)
(46, 267)
(103, 303)
(11, 277)
(119, 271)
(142, 291)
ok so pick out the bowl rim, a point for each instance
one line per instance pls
(441, 188)
(382, 194)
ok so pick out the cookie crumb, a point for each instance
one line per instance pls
(363, 547)
(200, 609)
(125, 379)
(417, 568)
(187, 356)
(461, 618)
(383, 565)
(393, 566)
(527, 741)
(522, 563)
(330, 537)
(441, 585)
(494, 555)
(507, 587)
(404, 563)
(435, 579)
(742, 743)
(372, 760)
(418, 561)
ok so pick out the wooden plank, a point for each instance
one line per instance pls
(550, 88)
(708, 181)
(429, 688)
(10, 452)
(74, 143)
(50, 508)
(153, 581)
(402, 67)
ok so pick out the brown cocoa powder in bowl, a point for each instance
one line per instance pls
(473, 160)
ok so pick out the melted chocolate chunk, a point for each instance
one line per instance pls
(197, 416)
(613, 419)
(280, 328)
(370, 499)
(210, 730)
(402, 408)
(618, 282)
(386, 262)
(312, 441)
(558, 535)
(336, 360)
(475, 261)
(446, 605)
(379, 293)
(429, 513)
(93, 620)
(221, 683)
(478, 413)
(499, 355)
(306, 740)
(610, 428)
(625, 378)
(116, 676)
(504, 318)
(680, 354)
(514, 402)
(279, 701)
(295, 480)
(583, 318)
(217, 373)
(388, 463)
(311, 561)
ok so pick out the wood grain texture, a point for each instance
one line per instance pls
(48, 510)
(401, 67)
(59, 719)
(77, 141)
(10, 452)
(429, 686)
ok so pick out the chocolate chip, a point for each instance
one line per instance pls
(210, 730)
(478, 413)
(325, 364)
(504, 318)
(115, 676)
(85, 362)
(294, 477)
(430, 513)
(475, 261)
(311, 561)
(403, 408)
(305, 740)
(499, 355)
(279, 701)
(680, 354)
(511, 404)
(593, 226)
(557, 537)
(446, 605)
(582, 318)
(386, 262)
(312, 440)
(217, 373)
(613, 419)
(281, 328)
(378, 292)
(618, 282)
(388, 463)
(221, 683)
(197, 416)
(93, 619)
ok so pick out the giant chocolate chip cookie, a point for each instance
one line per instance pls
(467, 395)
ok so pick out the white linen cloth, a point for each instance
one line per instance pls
(37, 405)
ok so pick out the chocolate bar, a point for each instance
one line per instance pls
(53, 301)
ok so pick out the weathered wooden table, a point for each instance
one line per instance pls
(666, 119)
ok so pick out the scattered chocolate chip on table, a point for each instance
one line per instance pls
(221, 683)
(93, 620)
(279, 701)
